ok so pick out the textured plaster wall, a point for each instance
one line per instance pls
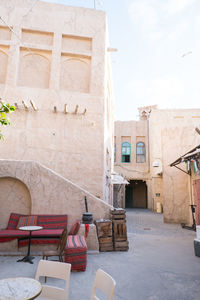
(14, 197)
(172, 134)
(57, 57)
(49, 192)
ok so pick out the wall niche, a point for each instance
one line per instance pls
(3, 63)
(34, 68)
(75, 73)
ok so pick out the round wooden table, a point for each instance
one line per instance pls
(29, 258)
(19, 288)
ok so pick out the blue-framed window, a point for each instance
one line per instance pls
(140, 152)
(126, 152)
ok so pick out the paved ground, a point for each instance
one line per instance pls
(160, 264)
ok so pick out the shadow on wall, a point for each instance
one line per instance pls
(14, 197)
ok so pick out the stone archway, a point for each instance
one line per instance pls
(14, 197)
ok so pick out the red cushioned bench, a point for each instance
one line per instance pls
(53, 226)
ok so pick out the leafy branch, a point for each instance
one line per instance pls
(5, 108)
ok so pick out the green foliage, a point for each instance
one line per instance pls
(5, 108)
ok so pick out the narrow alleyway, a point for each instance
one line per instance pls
(160, 264)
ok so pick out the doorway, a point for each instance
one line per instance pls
(136, 194)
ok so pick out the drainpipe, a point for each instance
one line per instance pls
(148, 142)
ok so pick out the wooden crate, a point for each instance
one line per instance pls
(118, 211)
(119, 230)
(105, 244)
(105, 240)
(118, 214)
(118, 217)
(106, 248)
(121, 246)
(104, 228)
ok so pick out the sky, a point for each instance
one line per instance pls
(158, 57)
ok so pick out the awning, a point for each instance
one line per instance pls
(192, 154)
(118, 179)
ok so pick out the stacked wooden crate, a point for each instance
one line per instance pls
(104, 233)
(120, 241)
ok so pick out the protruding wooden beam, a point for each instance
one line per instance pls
(16, 105)
(25, 105)
(109, 49)
(33, 105)
(197, 130)
(76, 109)
(55, 109)
(65, 109)
(84, 112)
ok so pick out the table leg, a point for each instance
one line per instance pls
(28, 258)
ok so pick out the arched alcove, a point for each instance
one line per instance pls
(14, 197)
(75, 75)
(34, 71)
(3, 64)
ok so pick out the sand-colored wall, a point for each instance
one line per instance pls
(56, 55)
(169, 134)
(14, 197)
(49, 193)
(172, 134)
(133, 132)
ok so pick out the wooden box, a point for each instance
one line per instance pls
(104, 228)
(119, 230)
(121, 246)
(105, 244)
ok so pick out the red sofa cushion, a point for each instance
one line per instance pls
(38, 241)
(27, 221)
(75, 228)
(13, 220)
(52, 221)
(7, 235)
(43, 236)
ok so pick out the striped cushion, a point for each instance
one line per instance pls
(38, 241)
(76, 252)
(52, 221)
(27, 221)
(13, 220)
(75, 228)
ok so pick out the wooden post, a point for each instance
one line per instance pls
(33, 105)
(65, 108)
(76, 109)
(25, 105)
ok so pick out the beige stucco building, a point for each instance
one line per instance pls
(55, 68)
(152, 144)
(189, 164)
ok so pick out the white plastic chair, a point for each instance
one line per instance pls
(105, 283)
(56, 270)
